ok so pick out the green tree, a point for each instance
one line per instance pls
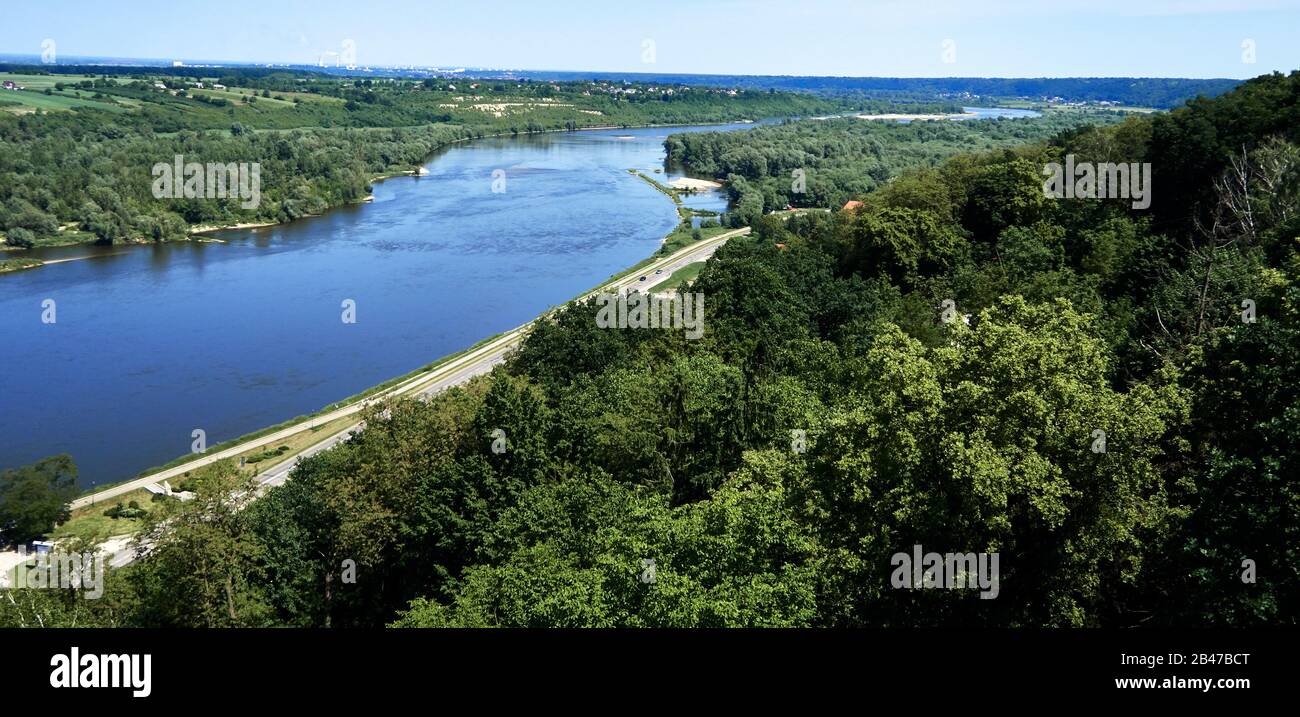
(200, 562)
(34, 498)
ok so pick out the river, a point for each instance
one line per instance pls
(151, 342)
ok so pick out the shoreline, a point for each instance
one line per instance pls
(419, 171)
(209, 228)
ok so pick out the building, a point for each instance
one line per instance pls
(852, 205)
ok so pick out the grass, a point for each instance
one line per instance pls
(267, 454)
(19, 264)
(40, 82)
(683, 236)
(682, 276)
(66, 237)
(672, 193)
(235, 95)
(90, 523)
(33, 97)
(54, 102)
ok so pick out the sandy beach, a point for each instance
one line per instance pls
(202, 229)
(689, 183)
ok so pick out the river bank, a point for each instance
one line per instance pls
(240, 329)
(199, 232)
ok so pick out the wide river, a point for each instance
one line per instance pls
(151, 342)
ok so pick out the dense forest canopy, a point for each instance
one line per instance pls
(824, 163)
(950, 349)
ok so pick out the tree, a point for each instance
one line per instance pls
(989, 444)
(904, 244)
(200, 563)
(20, 237)
(34, 498)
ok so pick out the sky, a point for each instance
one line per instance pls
(893, 38)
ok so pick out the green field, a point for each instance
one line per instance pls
(29, 100)
(682, 276)
(40, 82)
(242, 96)
(32, 97)
(90, 523)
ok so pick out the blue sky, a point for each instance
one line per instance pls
(1013, 38)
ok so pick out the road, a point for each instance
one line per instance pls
(473, 363)
(653, 279)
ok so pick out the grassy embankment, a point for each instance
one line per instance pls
(681, 277)
(92, 524)
(19, 264)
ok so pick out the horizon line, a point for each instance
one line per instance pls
(466, 68)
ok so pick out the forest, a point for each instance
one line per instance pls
(840, 158)
(1107, 398)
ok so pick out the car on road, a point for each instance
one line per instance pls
(659, 271)
(642, 278)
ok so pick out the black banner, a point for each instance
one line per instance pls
(233, 668)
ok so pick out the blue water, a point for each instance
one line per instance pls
(979, 113)
(995, 112)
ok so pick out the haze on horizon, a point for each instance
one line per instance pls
(944, 38)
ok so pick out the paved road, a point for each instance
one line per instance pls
(457, 371)
(652, 279)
